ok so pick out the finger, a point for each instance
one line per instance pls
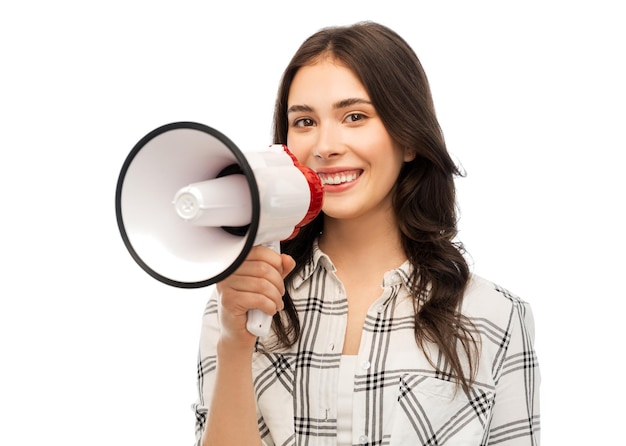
(265, 254)
(259, 276)
(257, 292)
(255, 284)
(244, 302)
(288, 264)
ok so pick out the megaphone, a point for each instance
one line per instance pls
(190, 205)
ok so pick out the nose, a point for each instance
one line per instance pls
(328, 144)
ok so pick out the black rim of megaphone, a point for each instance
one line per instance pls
(245, 169)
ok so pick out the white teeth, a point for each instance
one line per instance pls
(338, 178)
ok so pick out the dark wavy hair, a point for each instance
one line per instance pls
(424, 198)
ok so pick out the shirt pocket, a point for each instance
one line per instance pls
(273, 376)
(433, 411)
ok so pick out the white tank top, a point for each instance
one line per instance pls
(344, 400)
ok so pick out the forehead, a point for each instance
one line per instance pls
(325, 81)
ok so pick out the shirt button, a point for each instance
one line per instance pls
(365, 365)
(363, 439)
(380, 309)
(331, 347)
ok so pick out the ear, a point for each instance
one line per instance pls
(409, 155)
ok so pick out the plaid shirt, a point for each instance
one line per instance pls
(399, 398)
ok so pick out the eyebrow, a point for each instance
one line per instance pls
(337, 105)
(350, 102)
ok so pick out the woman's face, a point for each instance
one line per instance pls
(334, 129)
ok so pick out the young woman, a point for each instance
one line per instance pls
(381, 334)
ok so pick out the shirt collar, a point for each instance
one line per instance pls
(400, 275)
(317, 260)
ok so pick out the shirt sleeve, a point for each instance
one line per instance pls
(209, 335)
(515, 420)
(207, 367)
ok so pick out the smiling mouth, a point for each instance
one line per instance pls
(339, 177)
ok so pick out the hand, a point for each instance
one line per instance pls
(257, 283)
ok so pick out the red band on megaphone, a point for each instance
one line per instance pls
(317, 192)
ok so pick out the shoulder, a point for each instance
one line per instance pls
(484, 299)
(505, 324)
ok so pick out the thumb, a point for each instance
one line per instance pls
(288, 264)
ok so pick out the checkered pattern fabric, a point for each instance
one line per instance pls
(399, 398)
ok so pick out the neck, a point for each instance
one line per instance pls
(369, 243)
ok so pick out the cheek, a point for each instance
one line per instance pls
(298, 149)
(390, 162)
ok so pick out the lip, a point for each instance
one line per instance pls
(338, 179)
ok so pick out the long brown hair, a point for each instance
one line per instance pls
(424, 197)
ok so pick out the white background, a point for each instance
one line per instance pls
(531, 99)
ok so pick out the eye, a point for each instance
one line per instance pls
(303, 122)
(355, 117)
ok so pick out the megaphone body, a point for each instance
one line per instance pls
(190, 205)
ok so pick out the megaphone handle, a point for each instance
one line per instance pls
(259, 323)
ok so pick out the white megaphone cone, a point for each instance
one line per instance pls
(190, 205)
